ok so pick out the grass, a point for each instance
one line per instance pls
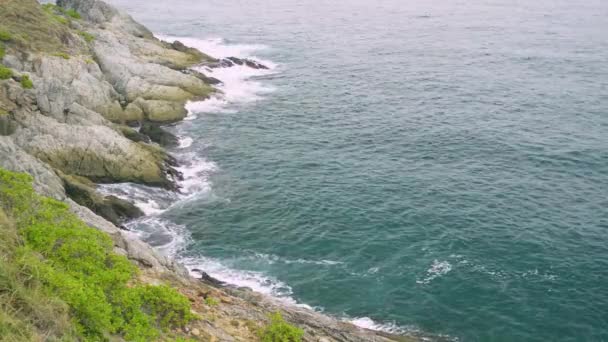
(2, 51)
(26, 82)
(86, 36)
(5, 36)
(63, 277)
(280, 331)
(5, 73)
(72, 13)
(62, 55)
(38, 28)
(211, 301)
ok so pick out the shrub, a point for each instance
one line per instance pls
(62, 55)
(26, 82)
(2, 51)
(5, 73)
(212, 301)
(280, 331)
(76, 264)
(87, 36)
(5, 36)
(72, 13)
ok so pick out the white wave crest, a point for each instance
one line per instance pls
(437, 269)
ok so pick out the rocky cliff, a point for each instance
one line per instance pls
(77, 81)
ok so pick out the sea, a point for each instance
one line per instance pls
(435, 167)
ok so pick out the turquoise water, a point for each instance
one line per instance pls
(438, 166)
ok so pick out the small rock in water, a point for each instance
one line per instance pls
(206, 278)
(232, 61)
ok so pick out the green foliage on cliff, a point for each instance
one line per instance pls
(61, 267)
(5, 36)
(62, 55)
(72, 13)
(35, 27)
(280, 331)
(87, 36)
(5, 73)
(26, 82)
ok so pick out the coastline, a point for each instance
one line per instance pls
(81, 126)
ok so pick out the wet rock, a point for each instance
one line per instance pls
(159, 135)
(112, 208)
(206, 278)
(203, 77)
(232, 61)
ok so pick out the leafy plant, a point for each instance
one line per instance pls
(280, 331)
(76, 264)
(5, 36)
(72, 13)
(26, 82)
(62, 55)
(87, 36)
(5, 73)
(211, 301)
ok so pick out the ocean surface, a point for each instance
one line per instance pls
(433, 166)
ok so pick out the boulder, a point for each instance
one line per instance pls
(159, 135)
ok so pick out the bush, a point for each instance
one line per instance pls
(5, 36)
(62, 55)
(280, 331)
(76, 264)
(26, 82)
(87, 36)
(72, 13)
(5, 73)
(2, 51)
(212, 301)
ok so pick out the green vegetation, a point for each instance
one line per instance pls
(280, 331)
(62, 55)
(35, 27)
(87, 36)
(60, 279)
(5, 36)
(211, 301)
(72, 13)
(26, 82)
(2, 51)
(5, 73)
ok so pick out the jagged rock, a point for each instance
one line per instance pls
(14, 158)
(133, 134)
(203, 77)
(206, 278)
(159, 135)
(61, 82)
(96, 152)
(232, 61)
(161, 111)
(112, 208)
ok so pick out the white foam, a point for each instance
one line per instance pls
(165, 236)
(256, 281)
(185, 142)
(238, 85)
(271, 259)
(437, 269)
(196, 172)
(368, 323)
